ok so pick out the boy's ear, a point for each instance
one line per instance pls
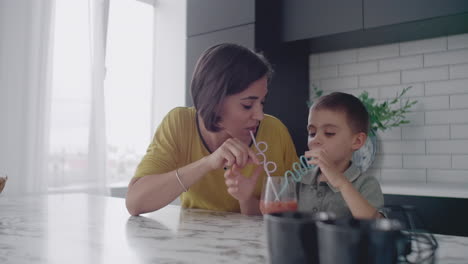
(359, 140)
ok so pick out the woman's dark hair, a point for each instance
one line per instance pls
(224, 70)
(356, 113)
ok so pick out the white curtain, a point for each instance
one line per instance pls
(26, 101)
(25, 37)
(99, 11)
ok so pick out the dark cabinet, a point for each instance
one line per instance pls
(307, 19)
(384, 12)
(204, 16)
(242, 35)
(314, 18)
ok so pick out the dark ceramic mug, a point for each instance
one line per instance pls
(292, 236)
(352, 241)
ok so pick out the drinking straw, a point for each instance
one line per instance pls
(265, 163)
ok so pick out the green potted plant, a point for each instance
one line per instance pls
(383, 115)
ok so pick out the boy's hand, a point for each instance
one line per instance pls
(239, 186)
(333, 175)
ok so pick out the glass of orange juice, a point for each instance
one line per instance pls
(278, 195)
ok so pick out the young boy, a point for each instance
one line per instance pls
(338, 125)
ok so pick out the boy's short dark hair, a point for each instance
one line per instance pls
(356, 113)
(224, 70)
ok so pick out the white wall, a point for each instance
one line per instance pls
(433, 148)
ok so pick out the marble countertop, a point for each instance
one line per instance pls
(80, 228)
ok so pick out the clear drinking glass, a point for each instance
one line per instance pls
(278, 195)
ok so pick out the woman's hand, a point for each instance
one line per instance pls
(240, 187)
(232, 152)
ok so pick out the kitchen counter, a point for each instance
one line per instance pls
(80, 228)
(449, 190)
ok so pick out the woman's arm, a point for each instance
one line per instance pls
(152, 192)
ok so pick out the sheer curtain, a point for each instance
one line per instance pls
(77, 154)
(25, 37)
(99, 12)
(69, 122)
(42, 147)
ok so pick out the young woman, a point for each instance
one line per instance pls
(204, 154)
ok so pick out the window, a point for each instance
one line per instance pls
(128, 86)
(127, 92)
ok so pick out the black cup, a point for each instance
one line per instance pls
(352, 241)
(292, 236)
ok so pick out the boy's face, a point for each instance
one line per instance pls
(330, 131)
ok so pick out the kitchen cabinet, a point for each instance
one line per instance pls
(304, 19)
(205, 16)
(243, 35)
(384, 12)
(308, 19)
(211, 22)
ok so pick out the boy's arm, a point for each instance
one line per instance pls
(359, 206)
(357, 203)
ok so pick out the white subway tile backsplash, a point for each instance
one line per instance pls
(430, 103)
(378, 52)
(447, 117)
(460, 161)
(323, 72)
(358, 68)
(445, 58)
(314, 83)
(459, 101)
(447, 87)
(459, 131)
(338, 57)
(387, 92)
(425, 74)
(423, 46)
(314, 61)
(405, 175)
(401, 63)
(426, 162)
(433, 147)
(402, 147)
(458, 71)
(426, 132)
(341, 83)
(415, 119)
(458, 41)
(388, 161)
(373, 92)
(393, 133)
(447, 176)
(447, 147)
(379, 79)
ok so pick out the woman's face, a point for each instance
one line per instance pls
(242, 112)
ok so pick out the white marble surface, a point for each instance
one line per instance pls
(79, 228)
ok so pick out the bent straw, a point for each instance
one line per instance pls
(265, 167)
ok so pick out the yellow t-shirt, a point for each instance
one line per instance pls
(177, 142)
